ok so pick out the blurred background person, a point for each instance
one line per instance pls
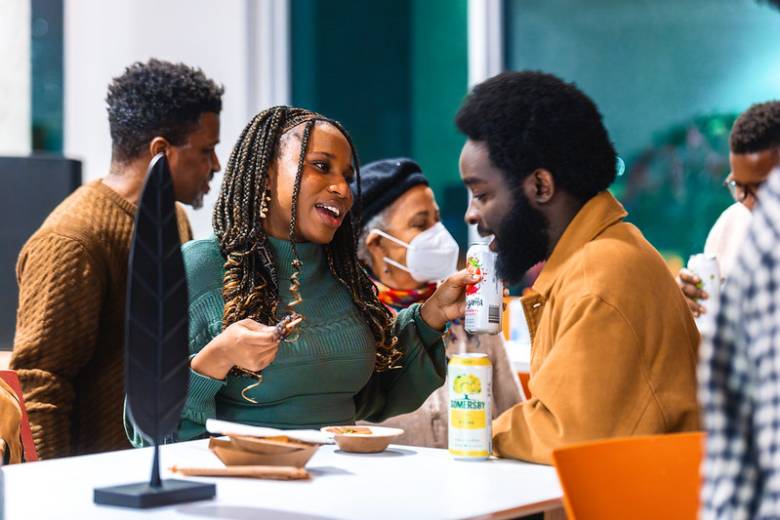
(754, 144)
(739, 372)
(406, 250)
(72, 273)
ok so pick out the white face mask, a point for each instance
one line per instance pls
(430, 256)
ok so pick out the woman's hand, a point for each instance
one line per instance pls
(449, 301)
(246, 343)
(689, 284)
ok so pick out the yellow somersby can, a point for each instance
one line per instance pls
(470, 385)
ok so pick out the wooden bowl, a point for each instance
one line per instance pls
(363, 439)
(248, 451)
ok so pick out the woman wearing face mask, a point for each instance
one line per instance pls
(284, 246)
(406, 249)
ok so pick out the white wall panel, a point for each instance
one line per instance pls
(103, 37)
(15, 132)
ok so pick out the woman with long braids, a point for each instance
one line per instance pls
(283, 260)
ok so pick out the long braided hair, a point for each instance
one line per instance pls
(251, 285)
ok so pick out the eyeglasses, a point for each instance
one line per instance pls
(740, 192)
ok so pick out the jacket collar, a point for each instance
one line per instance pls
(599, 213)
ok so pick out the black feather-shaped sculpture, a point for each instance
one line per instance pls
(156, 351)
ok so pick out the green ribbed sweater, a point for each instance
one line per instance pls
(326, 376)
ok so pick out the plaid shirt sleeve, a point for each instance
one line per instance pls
(739, 378)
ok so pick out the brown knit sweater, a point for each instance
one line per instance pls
(68, 348)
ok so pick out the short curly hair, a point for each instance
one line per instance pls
(157, 98)
(533, 120)
(756, 129)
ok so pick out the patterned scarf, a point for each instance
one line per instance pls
(399, 299)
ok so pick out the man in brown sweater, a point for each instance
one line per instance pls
(72, 273)
(613, 343)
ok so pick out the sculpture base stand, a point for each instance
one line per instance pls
(141, 495)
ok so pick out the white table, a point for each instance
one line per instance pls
(401, 483)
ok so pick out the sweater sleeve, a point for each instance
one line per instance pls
(201, 396)
(424, 368)
(587, 388)
(200, 405)
(205, 323)
(61, 292)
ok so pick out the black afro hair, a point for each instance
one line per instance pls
(533, 120)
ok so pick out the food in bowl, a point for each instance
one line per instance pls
(363, 439)
(362, 430)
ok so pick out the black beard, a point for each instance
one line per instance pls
(522, 240)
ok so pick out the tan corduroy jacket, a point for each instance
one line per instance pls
(613, 342)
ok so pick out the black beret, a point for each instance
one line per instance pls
(382, 182)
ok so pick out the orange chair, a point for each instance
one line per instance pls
(30, 453)
(524, 376)
(633, 477)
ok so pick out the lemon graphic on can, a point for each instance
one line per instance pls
(467, 384)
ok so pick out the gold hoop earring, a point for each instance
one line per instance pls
(265, 203)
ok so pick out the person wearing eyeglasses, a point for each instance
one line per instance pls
(754, 145)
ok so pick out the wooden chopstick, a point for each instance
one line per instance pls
(263, 472)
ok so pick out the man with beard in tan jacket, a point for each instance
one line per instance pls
(613, 342)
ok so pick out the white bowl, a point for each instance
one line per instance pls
(363, 442)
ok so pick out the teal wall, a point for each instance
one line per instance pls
(46, 75)
(394, 72)
(350, 62)
(666, 74)
(439, 65)
(650, 64)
